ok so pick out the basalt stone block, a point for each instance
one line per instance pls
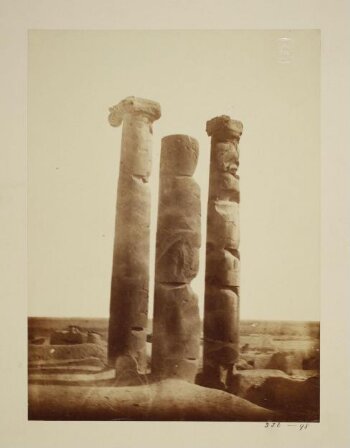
(223, 224)
(179, 155)
(222, 268)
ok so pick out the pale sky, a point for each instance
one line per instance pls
(73, 157)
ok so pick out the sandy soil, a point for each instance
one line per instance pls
(277, 379)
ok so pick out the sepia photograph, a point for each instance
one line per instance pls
(174, 225)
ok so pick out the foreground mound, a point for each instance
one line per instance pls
(165, 400)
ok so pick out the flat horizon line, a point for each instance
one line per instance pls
(106, 318)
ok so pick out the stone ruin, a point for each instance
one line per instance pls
(222, 274)
(176, 321)
(173, 389)
(130, 275)
(260, 390)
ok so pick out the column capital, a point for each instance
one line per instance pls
(133, 106)
(224, 127)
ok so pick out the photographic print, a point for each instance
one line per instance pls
(174, 225)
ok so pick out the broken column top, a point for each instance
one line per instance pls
(224, 127)
(179, 155)
(133, 106)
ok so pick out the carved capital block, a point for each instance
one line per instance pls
(136, 107)
(224, 128)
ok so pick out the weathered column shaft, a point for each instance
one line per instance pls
(221, 314)
(130, 275)
(176, 323)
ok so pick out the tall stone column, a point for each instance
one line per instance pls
(130, 275)
(221, 314)
(176, 323)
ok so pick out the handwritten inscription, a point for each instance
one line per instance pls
(297, 426)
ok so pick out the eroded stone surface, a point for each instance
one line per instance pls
(222, 275)
(166, 400)
(223, 224)
(130, 275)
(134, 106)
(176, 332)
(221, 315)
(179, 155)
(275, 390)
(224, 128)
(176, 324)
(222, 268)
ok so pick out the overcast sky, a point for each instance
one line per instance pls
(271, 85)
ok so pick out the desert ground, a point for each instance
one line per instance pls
(277, 377)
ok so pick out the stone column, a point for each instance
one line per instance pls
(130, 276)
(176, 323)
(221, 314)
